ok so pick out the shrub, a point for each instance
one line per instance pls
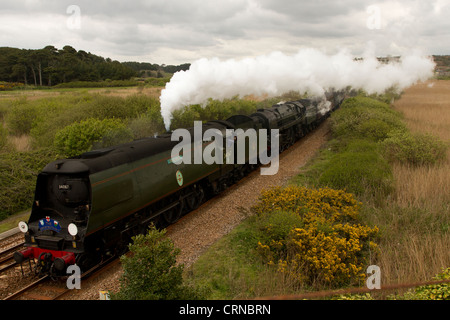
(277, 225)
(97, 84)
(56, 113)
(19, 171)
(80, 136)
(365, 118)
(151, 273)
(145, 126)
(20, 118)
(329, 246)
(213, 110)
(113, 137)
(430, 292)
(157, 82)
(415, 149)
(102, 107)
(435, 291)
(3, 137)
(359, 168)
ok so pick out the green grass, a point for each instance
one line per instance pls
(14, 220)
(233, 269)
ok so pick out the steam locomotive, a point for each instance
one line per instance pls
(88, 207)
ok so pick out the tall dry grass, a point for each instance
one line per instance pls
(417, 218)
(20, 143)
(426, 109)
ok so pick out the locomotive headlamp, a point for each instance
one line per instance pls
(23, 226)
(73, 229)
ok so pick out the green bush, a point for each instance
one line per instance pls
(358, 169)
(213, 110)
(415, 149)
(97, 84)
(3, 137)
(114, 137)
(20, 117)
(151, 273)
(102, 107)
(429, 292)
(363, 117)
(18, 172)
(80, 137)
(56, 113)
(145, 126)
(435, 291)
(157, 82)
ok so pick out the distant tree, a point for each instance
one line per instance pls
(20, 71)
(51, 66)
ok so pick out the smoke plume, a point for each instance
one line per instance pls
(309, 70)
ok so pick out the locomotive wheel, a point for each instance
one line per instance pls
(194, 201)
(172, 215)
(85, 261)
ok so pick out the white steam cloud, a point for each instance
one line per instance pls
(309, 70)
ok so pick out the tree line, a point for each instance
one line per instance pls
(51, 66)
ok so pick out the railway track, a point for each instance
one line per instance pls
(7, 257)
(42, 288)
(45, 288)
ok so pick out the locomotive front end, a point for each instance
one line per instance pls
(55, 231)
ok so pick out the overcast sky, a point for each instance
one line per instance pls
(180, 31)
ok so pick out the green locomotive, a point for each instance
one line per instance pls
(88, 207)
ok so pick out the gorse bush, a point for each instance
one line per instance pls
(151, 273)
(81, 136)
(326, 244)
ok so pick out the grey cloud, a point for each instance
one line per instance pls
(139, 28)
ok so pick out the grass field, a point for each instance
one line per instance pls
(420, 207)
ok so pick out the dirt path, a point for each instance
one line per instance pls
(198, 230)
